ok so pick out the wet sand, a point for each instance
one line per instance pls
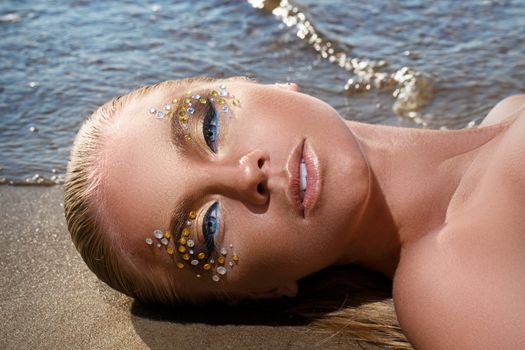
(50, 300)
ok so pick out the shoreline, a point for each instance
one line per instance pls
(50, 299)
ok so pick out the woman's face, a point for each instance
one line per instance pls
(247, 161)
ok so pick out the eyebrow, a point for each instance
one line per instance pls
(179, 213)
(178, 219)
(177, 133)
(181, 210)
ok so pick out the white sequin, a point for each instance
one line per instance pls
(195, 262)
(149, 241)
(152, 110)
(221, 270)
(160, 115)
(167, 107)
(215, 278)
(191, 243)
(188, 222)
(224, 251)
(164, 241)
(230, 263)
(158, 234)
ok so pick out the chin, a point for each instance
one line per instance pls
(345, 178)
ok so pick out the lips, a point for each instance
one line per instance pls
(303, 170)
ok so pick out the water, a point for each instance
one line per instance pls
(59, 62)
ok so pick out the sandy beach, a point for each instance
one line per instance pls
(50, 300)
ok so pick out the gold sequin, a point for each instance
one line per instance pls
(235, 257)
(187, 137)
(183, 119)
(214, 93)
(221, 101)
(236, 102)
(167, 234)
(186, 257)
(206, 266)
(192, 215)
(220, 260)
(174, 101)
(186, 232)
(202, 100)
(170, 250)
(180, 265)
(187, 101)
(182, 241)
(181, 113)
(182, 249)
(201, 255)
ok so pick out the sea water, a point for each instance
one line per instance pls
(424, 64)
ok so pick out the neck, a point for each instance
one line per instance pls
(414, 174)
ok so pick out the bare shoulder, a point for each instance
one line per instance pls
(508, 165)
(505, 109)
(463, 287)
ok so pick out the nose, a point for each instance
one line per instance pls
(245, 179)
(253, 178)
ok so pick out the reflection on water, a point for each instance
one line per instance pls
(411, 63)
(411, 89)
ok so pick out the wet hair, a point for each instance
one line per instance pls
(91, 232)
(364, 314)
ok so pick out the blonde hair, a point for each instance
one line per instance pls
(371, 320)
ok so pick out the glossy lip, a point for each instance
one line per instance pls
(312, 181)
(304, 208)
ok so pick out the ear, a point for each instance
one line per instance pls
(290, 290)
(288, 86)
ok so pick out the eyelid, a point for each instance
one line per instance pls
(202, 116)
(199, 234)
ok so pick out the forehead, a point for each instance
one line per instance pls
(144, 176)
(136, 151)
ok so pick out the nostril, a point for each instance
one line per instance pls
(260, 163)
(260, 188)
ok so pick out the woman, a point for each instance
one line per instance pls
(202, 189)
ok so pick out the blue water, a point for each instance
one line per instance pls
(60, 61)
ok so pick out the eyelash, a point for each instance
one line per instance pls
(210, 127)
(210, 227)
(210, 133)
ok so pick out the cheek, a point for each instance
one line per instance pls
(277, 251)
